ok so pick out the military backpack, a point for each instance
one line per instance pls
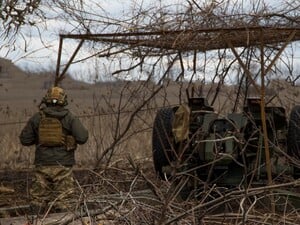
(51, 132)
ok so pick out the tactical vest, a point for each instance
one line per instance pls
(51, 132)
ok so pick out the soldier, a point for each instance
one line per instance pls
(55, 132)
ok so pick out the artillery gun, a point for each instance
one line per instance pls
(227, 151)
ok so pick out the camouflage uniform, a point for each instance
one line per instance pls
(53, 181)
(53, 185)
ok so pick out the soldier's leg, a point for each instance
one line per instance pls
(41, 189)
(64, 187)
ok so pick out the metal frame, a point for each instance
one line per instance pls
(201, 40)
(190, 40)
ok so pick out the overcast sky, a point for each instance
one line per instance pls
(43, 55)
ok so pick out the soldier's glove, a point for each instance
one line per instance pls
(71, 144)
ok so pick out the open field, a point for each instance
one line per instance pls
(118, 115)
(117, 160)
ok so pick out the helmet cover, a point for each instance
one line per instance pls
(56, 96)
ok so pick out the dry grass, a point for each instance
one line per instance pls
(106, 110)
(114, 187)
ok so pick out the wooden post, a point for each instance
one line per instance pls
(58, 61)
(263, 120)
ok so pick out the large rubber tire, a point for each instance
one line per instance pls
(293, 136)
(162, 140)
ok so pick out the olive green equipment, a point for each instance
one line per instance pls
(226, 150)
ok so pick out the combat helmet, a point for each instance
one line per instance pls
(55, 96)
